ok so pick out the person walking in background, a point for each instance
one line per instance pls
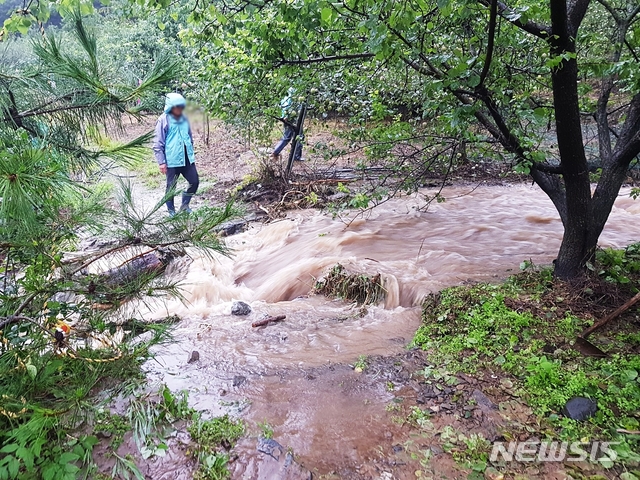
(289, 117)
(173, 149)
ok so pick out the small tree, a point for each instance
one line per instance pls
(468, 68)
(55, 113)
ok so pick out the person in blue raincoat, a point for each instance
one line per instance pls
(173, 149)
(289, 116)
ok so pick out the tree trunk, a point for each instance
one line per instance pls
(576, 244)
(574, 252)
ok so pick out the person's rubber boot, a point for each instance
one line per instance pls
(185, 209)
(172, 213)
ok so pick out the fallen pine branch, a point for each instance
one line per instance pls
(268, 320)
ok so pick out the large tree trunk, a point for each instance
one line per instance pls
(576, 245)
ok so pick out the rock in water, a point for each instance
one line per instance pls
(580, 408)
(240, 308)
(194, 357)
(278, 464)
(270, 447)
(231, 228)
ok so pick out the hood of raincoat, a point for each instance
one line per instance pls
(173, 100)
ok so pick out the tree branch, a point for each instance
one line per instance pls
(492, 35)
(609, 8)
(576, 12)
(331, 58)
(602, 116)
(632, 51)
(628, 145)
(506, 12)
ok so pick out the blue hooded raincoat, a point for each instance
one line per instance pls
(173, 142)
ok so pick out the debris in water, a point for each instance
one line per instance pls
(239, 380)
(268, 320)
(240, 309)
(270, 447)
(351, 287)
(194, 357)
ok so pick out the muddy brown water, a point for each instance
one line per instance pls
(295, 374)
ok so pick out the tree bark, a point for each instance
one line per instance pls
(576, 247)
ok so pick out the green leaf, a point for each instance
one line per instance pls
(540, 113)
(10, 448)
(26, 456)
(14, 467)
(326, 14)
(606, 462)
(23, 25)
(32, 371)
(67, 457)
(161, 26)
(628, 476)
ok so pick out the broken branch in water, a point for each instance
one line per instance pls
(350, 287)
(268, 320)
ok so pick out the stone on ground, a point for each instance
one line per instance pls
(580, 408)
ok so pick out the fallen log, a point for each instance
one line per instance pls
(268, 320)
(148, 263)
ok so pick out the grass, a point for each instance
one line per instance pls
(149, 173)
(522, 331)
(360, 288)
(212, 439)
(266, 430)
(210, 434)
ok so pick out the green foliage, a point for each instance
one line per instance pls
(209, 434)
(42, 404)
(209, 437)
(421, 418)
(361, 364)
(266, 430)
(213, 467)
(618, 266)
(471, 450)
(56, 115)
(493, 327)
(113, 425)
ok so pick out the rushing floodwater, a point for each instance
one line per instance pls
(482, 235)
